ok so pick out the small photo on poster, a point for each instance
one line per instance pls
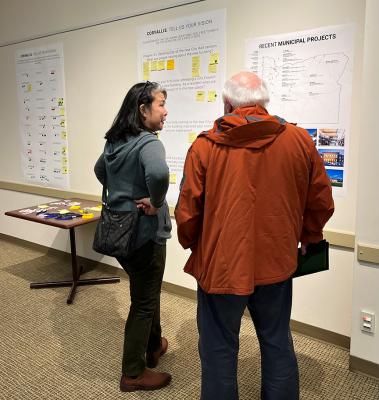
(332, 158)
(313, 134)
(335, 176)
(331, 137)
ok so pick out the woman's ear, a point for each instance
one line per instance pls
(142, 110)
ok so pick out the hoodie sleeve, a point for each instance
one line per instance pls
(153, 159)
(100, 169)
(190, 206)
(319, 206)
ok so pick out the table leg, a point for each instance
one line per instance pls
(76, 272)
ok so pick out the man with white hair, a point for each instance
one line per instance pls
(254, 186)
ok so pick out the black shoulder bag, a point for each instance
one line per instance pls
(115, 231)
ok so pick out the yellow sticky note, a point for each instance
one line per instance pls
(170, 64)
(191, 137)
(61, 111)
(62, 123)
(161, 65)
(29, 87)
(64, 170)
(64, 211)
(60, 101)
(43, 206)
(214, 58)
(212, 68)
(195, 66)
(64, 151)
(153, 65)
(64, 160)
(200, 95)
(97, 208)
(212, 95)
(173, 178)
(146, 70)
(195, 73)
(63, 135)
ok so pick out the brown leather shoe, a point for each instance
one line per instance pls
(152, 359)
(148, 380)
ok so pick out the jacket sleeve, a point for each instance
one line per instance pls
(153, 159)
(319, 205)
(100, 169)
(189, 209)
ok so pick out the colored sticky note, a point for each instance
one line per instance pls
(65, 170)
(43, 206)
(170, 64)
(64, 151)
(64, 160)
(29, 87)
(212, 68)
(161, 65)
(63, 135)
(200, 95)
(173, 178)
(63, 211)
(61, 111)
(62, 123)
(154, 65)
(60, 101)
(214, 58)
(212, 95)
(195, 66)
(97, 208)
(146, 70)
(191, 137)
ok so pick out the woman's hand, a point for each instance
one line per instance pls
(146, 206)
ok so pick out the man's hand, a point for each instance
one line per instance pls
(146, 206)
(304, 249)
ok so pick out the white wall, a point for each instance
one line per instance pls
(325, 300)
(366, 275)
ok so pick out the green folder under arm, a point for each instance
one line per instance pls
(315, 260)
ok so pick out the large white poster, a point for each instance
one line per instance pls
(309, 76)
(42, 115)
(187, 57)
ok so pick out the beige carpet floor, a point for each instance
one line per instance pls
(51, 350)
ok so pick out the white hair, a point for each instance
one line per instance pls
(240, 96)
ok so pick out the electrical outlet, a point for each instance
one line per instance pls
(367, 321)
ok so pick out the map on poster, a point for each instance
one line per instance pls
(187, 57)
(309, 77)
(42, 115)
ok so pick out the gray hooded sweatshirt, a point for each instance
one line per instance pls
(132, 170)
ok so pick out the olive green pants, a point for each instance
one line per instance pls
(145, 268)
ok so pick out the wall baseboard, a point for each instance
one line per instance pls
(364, 367)
(355, 364)
(321, 334)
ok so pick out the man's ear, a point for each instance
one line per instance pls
(227, 107)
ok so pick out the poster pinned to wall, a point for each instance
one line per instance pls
(187, 57)
(42, 115)
(309, 77)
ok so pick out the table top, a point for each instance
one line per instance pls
(36, 213)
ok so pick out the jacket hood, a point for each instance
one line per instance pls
(249, 127)
(115, 153)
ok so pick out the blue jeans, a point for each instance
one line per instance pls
(219, 320)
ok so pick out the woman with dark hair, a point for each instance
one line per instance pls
(134, 168)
